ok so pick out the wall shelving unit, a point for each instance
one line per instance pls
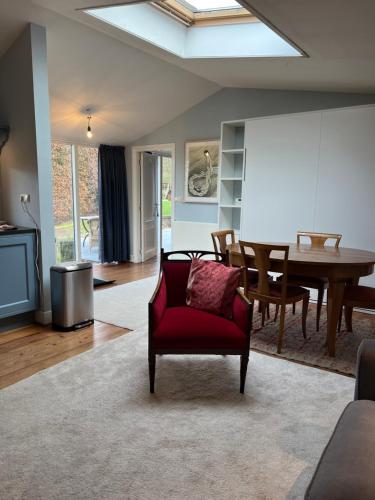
(232, 173)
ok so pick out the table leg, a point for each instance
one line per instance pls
(335, 296)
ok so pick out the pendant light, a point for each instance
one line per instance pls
(89, 131)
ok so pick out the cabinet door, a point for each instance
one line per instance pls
(282, 155)
(345, 195)
(17, 275)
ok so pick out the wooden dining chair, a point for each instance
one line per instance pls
(280, 293)
(356, 296)
(221, 240)
(317, 240)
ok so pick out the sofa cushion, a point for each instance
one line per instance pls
(187, 329)
(346, 470)
(212, 286)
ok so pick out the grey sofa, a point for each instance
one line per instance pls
(346, 470)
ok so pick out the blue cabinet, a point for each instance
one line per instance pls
(18, 287)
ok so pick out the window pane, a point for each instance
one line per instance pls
(63, 207)
(87, 163)
(166, 207)
(201, 5)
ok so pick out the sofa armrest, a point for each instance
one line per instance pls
(365, 382)
(242, 311)
(157, 304)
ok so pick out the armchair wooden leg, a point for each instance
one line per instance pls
(294, 308)
(305, 309)
(244, 363)
(151, 369)
(268, 311)
(281, 328)
(348, 318)
(319, 306)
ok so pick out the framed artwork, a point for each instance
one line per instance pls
(201, 171)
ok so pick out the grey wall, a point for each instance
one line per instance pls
(26, 158)
(203, 122)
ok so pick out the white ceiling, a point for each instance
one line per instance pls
(135, 87)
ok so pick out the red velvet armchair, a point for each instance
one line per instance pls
(175, 328)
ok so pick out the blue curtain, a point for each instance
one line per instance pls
(113, 205)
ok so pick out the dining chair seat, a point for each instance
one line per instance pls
(319, 284)
(292, 292)
(359, 296)
(356, 296)
(307, 281)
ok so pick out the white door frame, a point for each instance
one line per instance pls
(136, 191)
(151, 252)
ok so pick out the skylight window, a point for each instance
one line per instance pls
(197, 28)
(208, 5)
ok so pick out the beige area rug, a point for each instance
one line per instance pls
(126, 306)
(88, 428)
(312, 351)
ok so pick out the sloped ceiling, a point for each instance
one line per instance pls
(129, 92)
(134, 87)
(337, 35)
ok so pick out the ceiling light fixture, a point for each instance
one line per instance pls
(89, 131)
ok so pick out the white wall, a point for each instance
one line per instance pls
(192, 235)
(313, 172)
(26, 158)
(203, 122)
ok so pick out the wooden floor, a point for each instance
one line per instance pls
(29, 350)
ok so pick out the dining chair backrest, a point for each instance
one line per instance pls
(258, 255)
(318, 240)
(221, 239)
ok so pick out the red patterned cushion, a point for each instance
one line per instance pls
(212, 286)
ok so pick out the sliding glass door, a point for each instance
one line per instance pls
(63, 202)
(87, 174)
(75, 202)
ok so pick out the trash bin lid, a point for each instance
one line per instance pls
(68, 267)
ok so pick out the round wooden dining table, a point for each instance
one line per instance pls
(340, 266)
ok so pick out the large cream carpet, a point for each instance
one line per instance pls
(88, 429)
(126, 306)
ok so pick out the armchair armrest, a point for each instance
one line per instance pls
(365, 381)
(157, 304)
(242, 311)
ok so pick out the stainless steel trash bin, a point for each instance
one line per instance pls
(72, 296)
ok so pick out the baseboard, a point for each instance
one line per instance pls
(43, 317)
(15, 322)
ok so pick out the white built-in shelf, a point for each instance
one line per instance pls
(237, 151)
(231, 174)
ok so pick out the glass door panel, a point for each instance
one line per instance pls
(88, 194)
(166, 203)
(63, 202)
